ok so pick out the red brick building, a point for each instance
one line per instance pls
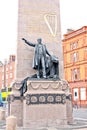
(7, 72)
(75, 64)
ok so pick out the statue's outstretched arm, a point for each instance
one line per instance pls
(30, 44)
(48, 52)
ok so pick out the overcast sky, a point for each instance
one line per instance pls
(73, 15)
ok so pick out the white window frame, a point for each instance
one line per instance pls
(82, 93)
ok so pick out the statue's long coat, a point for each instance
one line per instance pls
(36, 54)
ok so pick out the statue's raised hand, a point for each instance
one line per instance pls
(24, 39)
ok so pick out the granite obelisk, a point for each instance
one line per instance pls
(38, 19)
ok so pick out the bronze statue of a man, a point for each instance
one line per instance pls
(39, 57)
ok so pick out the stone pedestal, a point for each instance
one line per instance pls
(45, 103)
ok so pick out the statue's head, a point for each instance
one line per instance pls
(39, 40)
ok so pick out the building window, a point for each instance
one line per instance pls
(6, 68)
(74, 57)
(2, 85)
(11, 75)
(76, 96)
(73, 45)
(75, 74)
(6, 76)
(2, 77)
(10, 67)
(7, 84)
(82, 93)
(3, 69)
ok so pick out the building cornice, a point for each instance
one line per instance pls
(75, 33)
